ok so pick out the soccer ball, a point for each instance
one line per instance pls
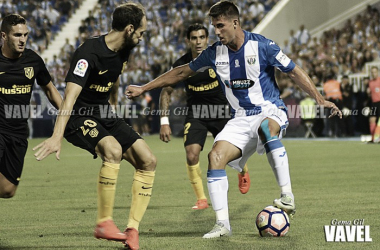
(272, 222)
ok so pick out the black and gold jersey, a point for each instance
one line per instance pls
(17, 77)
(96, 68)
(201, 89)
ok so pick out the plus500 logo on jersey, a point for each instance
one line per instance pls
(239, 83)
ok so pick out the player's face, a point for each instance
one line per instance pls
(198, 41)
(224, 29)
(15, 40)
(374, 73)
(132, 40)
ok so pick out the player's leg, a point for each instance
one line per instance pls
(222, 153)
(89, 134)
(7, 188)
(142, 158)
(278, 159)
(12, 154)
(372, 126)
(195, 133)
(376, 134)
(244, 180)
(195, 175)
(109, 150)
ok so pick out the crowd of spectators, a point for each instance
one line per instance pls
(163, 43)
(45, 18)
(333, 56)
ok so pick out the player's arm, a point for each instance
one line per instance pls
(52, 94)
(169, 78)
(114, 95)
(165, 130)
(300, 77)
(53, 144)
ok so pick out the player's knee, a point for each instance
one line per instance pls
(267, 131)
(215, 159)
(7, 193)
(113, 154)
(192, 158)
(149, 163)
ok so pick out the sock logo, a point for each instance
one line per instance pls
(143, 187)
(283, 154)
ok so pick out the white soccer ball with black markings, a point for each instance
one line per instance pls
(272, 222)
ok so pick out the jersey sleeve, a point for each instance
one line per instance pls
(277, 58)
(80, 67)
(204, 61)
(43, 77)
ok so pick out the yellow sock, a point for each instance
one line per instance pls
(106, 190)
(245, 170)
(195, 176)
(141, 193)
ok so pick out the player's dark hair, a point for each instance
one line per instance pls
(11, 20)
(127, 13)
(195, 27)
(224, 8)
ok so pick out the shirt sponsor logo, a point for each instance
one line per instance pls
(16, 90)
(204, 87)
(283, 59)
(221, 63)
(100, 88)
(239, 83)
(81, 67)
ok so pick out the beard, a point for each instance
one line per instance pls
(128, 42)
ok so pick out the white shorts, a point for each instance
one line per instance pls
(243, 133)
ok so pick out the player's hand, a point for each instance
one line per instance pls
(48, 147)
(133, 91)
(334, 110)
(165, 133)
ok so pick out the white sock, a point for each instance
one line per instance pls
(217, 184)
(278, 160)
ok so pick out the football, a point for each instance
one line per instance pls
(272, 222)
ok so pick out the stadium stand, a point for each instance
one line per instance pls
(348, 50)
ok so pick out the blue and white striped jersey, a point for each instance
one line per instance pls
(247, 74)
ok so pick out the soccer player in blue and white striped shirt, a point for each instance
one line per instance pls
(244, 63)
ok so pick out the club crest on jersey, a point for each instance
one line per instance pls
(239, 83)
(237, 64)
(81, 67)
(211, 73)
(251, 60)
(29, 72)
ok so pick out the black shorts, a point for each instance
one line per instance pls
(375, 109)
(195, 130)
(12, 154)
(85, 132)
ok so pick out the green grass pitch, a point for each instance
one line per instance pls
(55, 205)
